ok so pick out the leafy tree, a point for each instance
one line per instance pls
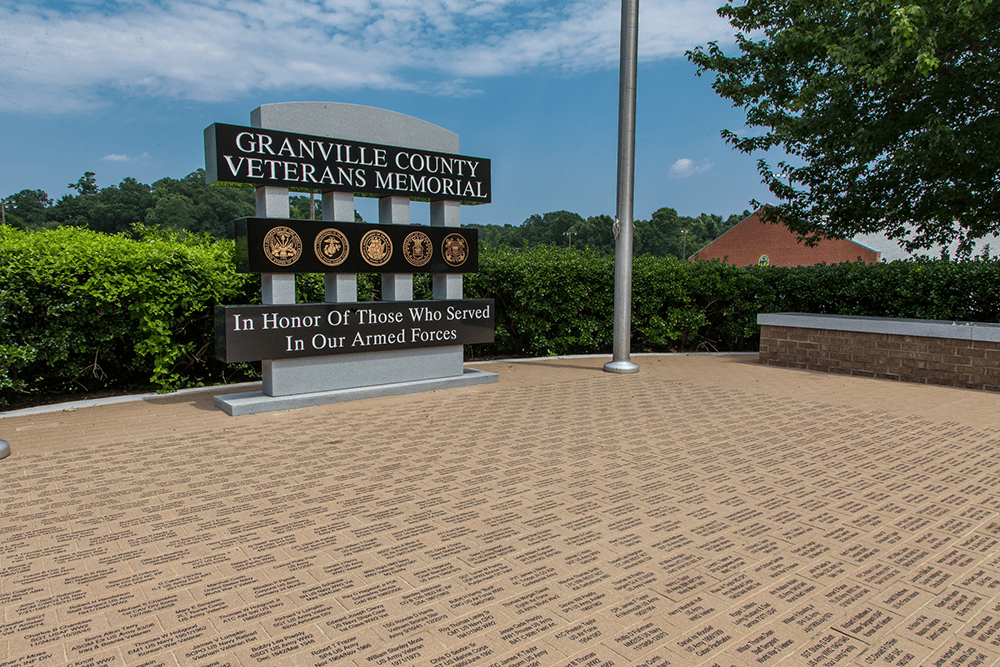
(86, 184)
(703, 230)
(112, 209)
(887, 111)
(299, 207)
(735, 219)
(668, 234)
(212, 208)
(171, 212)
(190, 205)
(27, 209)
(662, 235)
(597, 233)
(69, 211)
(117, 208)
(496, 236)
(550, 228)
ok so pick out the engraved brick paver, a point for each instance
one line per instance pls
(707, 511)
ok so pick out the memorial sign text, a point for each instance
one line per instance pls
(237, 154)
(254, 333)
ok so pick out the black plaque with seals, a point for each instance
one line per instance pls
(276, 245)
(254, 333)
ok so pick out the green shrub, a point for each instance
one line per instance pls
(553, 301)
(81, 310)
(549, 301)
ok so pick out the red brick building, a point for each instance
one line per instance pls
(753, 241)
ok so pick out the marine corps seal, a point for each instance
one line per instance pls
(417, 248)
(455, 249)
(376, 247)
(282, 246)
(331, 247)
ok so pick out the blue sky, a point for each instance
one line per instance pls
(126, 88)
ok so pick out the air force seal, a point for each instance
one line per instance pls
(417, 248)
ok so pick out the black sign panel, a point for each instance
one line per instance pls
(237, 154)
(254, 333)
(274, 245)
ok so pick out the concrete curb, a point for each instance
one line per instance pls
(112, 400)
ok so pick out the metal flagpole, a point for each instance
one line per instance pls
(622, 363)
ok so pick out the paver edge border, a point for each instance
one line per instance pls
(249, 386)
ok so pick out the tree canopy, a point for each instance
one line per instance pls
(188, 204)
(665, 233)
(183, 205)
(887, 111)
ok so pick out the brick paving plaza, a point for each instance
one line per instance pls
(707, 511)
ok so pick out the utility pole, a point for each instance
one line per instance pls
(622, 362)
(570, 235)
(684, 252)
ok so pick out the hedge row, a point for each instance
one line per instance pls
(81, 311)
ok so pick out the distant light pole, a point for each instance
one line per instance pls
(622, 362)
(570, 235)
(684, 252)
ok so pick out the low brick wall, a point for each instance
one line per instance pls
(955, 354)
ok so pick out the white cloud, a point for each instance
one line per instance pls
(116, 157)
(213, 50)
(685, 167)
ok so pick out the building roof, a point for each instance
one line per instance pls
(891, 250)
(753, 241)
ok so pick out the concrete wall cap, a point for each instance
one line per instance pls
(957, 330)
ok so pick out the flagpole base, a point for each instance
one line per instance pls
(622, 367)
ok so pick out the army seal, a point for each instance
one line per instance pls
(282, 246)
(331, 247)
(376, 247)
(455, 249)
(417, 248)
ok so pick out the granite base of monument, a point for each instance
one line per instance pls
(248, 403)
(320, 374)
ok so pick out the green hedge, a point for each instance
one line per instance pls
(553, 301)
(81, 311)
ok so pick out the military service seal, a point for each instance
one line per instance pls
(331, 247)
(282, 246)
(376, 247)
(455, 249)
(417, 248)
